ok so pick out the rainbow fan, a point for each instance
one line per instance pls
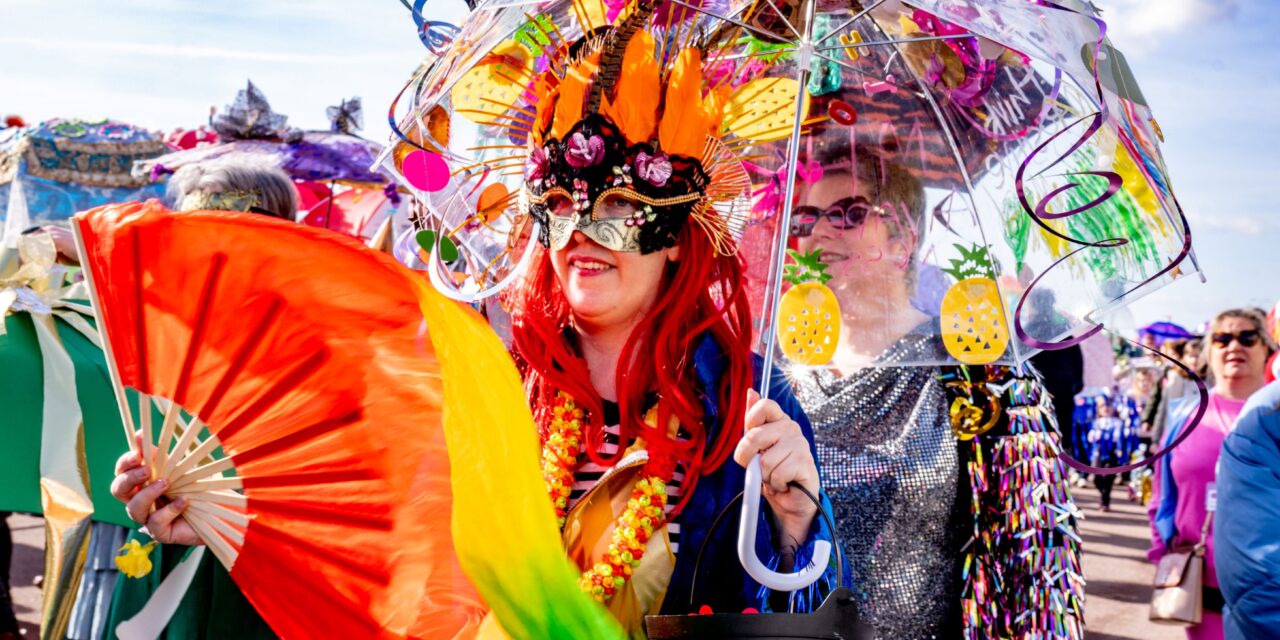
(297, 407)
(299, 389)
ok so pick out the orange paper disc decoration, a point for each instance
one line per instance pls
(297, 405)
(493, 201)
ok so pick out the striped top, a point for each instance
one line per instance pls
(589, 474)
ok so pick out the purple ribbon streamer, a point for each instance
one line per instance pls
(1039, 213)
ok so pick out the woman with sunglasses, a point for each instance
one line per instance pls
(882, 411)
(868, 239)
(1184, 490)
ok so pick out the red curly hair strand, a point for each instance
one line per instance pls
(701, 294)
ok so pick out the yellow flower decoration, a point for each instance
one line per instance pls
(135, 562)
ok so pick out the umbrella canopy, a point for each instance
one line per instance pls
(998, 150)
(316, 155)
(1062, 209)
(349, 211)
(52, 170)
(249, 130)
(1164, 331)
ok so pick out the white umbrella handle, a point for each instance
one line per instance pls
(747, 543)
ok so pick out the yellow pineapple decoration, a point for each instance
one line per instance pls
(972, 317)
(808, 314)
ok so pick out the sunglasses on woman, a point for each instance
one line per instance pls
(1246, 338)
(846, 213)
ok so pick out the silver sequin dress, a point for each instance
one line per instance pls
(891, 466)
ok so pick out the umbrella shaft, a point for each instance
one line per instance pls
(768, 332)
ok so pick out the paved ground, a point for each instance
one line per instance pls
(1116, 568)
(1114, 560)
(28, 562)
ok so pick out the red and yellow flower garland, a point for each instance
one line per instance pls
(645, 511)
(560, 453)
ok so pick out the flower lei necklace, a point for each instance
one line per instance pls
(645, 510)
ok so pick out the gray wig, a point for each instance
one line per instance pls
(233, 184)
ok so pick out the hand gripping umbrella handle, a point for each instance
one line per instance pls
(747, 543)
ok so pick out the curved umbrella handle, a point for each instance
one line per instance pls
(747, 542)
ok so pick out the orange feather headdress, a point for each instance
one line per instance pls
(619, 115)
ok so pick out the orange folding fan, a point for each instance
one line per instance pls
(292, 394)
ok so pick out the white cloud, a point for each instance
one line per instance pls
(186, 51)
(1139, 25)
(1232, 223)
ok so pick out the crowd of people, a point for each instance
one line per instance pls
(1206, 491)
(588, 306)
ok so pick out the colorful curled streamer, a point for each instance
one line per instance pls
(436, 35)
(417, 84)
(1039, 213)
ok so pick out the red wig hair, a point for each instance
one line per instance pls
(701, 294)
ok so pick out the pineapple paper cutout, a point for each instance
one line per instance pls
(974, 262)
(973, 327)
(808, 314)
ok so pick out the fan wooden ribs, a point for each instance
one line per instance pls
(196, 469)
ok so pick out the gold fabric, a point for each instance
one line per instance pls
(588, 531)
(36, 287)
(221, 201)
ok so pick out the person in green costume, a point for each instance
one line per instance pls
(213, 606)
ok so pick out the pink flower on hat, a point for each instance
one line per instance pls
(583, 151)
(655, 169)
(538, 164)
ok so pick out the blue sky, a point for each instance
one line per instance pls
(1211, 72)
(163, 64)
(1209, 68)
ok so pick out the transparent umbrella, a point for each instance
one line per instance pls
(983, 176)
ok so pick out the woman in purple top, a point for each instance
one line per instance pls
(1237, 348)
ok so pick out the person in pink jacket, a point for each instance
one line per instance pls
(1237, 348)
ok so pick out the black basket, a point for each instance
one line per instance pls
(837, 617)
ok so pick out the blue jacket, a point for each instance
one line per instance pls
(721, 582)
(1247, 529)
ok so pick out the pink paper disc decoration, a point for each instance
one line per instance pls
(425, 170)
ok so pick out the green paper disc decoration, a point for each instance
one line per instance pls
(427, 240)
